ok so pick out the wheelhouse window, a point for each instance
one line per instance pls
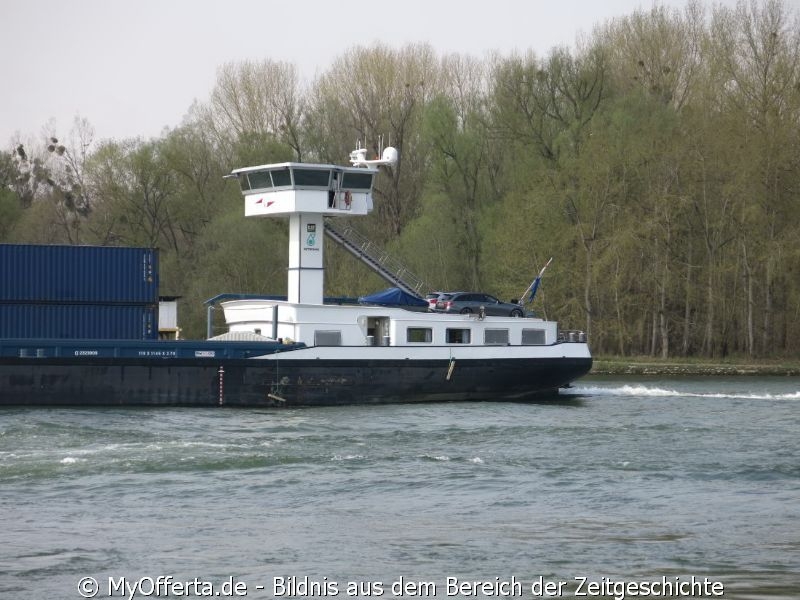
(533, 337)
(281, 177)
(327, 338)
(317, 178)
(419, 335)
(244, 183)
(357, 181)
(457, 336)
(259, 180)
(495, 337)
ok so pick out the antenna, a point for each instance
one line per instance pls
(358, 157)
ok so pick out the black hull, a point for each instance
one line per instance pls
(259, 383)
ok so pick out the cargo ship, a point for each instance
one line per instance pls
(96, 344)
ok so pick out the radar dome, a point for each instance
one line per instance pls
(389, 155)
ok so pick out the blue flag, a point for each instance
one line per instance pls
(535, 285)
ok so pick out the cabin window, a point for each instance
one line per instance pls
(419, 335)
(243, 182)
(312, 178)
(457, 336)
(327, 338)
(281, 177)
(259, 180)
(495, 337)
(533, 337)
(357, 181)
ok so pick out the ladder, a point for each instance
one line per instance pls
(374, 257)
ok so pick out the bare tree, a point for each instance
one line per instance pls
(658, 51)
(263, 98)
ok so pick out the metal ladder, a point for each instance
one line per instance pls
(374, 257)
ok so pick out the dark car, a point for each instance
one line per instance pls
(471, 302)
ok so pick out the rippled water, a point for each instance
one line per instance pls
(632, 480)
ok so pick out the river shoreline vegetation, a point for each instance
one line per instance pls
(658, 161)
(694, 367)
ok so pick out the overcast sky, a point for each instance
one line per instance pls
(132, 68)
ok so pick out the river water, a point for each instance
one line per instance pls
(623, 481)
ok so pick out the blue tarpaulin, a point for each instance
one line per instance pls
(393, 297)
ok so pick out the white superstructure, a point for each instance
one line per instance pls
(334, 325)
(308, 193)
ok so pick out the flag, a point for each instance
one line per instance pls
(535, 285)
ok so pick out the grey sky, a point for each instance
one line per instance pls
(132, 68)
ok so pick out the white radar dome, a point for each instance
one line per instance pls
(389, 155)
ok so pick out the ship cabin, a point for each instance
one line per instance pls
(357, 325)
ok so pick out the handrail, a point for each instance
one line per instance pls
(375, 257)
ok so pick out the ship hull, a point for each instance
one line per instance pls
(73, 381)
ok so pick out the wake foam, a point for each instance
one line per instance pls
(643, 390)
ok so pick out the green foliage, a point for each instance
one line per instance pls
(433, 246)
(10, 212)
(253, 148)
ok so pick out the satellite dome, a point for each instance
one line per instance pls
(389, 155)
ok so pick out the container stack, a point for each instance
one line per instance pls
(78, 292)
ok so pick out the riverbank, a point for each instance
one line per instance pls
(613, 365)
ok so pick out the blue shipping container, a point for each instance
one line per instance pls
(79, 321)
(93, 274)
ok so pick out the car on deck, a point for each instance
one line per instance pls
(471, 302)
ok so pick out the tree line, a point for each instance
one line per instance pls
(658, 161)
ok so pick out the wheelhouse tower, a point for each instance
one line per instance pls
(306, 194)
